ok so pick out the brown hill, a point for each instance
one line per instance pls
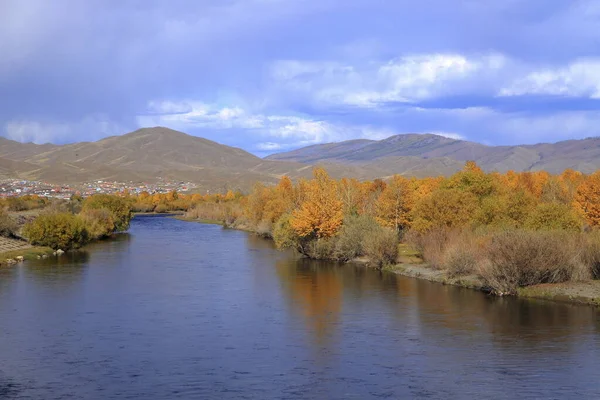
(151, 153)
(444, 155)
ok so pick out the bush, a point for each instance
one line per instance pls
(143, 207)
(98, 222)
(461, 259)
(589, 256)
(8, 227)
(350, 240)
(320, 249)
(431, 245)
(284, 235)
(119, 207)
(381, 246)
(520, 258)
(27, 202)
(161, 208)
(58, 231)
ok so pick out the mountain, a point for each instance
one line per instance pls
(149, 153)
(442, 155)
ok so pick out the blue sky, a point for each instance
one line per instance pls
(273, 75)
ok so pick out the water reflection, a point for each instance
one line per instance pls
(315, 292)
(193, 311)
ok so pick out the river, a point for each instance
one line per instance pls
(174, 309)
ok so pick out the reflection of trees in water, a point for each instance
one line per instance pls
(503, 319)
(315, 290)
(69, 268)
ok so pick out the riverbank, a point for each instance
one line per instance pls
(13, 251)
(587, 292)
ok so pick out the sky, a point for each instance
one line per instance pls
(274, 75)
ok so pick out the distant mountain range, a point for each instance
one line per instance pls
(442, 155)
(149, 153)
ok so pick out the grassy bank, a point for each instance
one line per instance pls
(587, 292)
(30, 253)
(411, 264)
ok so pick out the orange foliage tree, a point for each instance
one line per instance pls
(320, 215)
(587, 199)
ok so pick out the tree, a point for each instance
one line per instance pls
(449, 208)
(395, 204)
(320, 215)
(63, 231)
(119, 207)
(587, 199)
(553, 216)
(472, 179)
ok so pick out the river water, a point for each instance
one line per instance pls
(184, 310)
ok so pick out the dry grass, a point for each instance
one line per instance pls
(511, 259)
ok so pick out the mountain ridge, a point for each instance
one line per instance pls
(579, 154)
(147, 154)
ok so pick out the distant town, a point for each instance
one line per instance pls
(17, 187)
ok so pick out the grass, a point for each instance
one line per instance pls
(30, 253)
(407, 254)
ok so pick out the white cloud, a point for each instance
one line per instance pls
(280, 129)
(269, 146)
(580, 78)
(409, 78)
(449, 135)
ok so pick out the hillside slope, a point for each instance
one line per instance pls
(390, 153)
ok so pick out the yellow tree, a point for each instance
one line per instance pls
(351, 196)
(587, 199)
(280, 200)
(320, 215)
(395, 204)
(448, 208)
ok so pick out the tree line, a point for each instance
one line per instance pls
(510, 229)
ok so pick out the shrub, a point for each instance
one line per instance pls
(520, 258)
(284, 235)
(263, 229)
(118, 206)
(350, 240)
(58, 231)
(461, 259)
(320, 249)
(8, 227)
(27, 202)
(98, 222)
(381, 246)
(589, 256)
(161, 208)
(431, 245)
(143, 207)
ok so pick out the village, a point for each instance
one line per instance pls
(18, 187)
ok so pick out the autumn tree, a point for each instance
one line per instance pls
(395, 204)
(472, 179)
(320, 215)
(63, 231)
(119, 207)
(449, 208)
(587, 199)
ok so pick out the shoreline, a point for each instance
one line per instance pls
(581, 293)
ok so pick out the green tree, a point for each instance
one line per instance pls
(58, 231)
(119, 207)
